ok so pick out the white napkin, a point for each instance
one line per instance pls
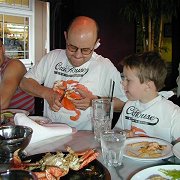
(42, 132)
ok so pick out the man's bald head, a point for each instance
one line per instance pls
(81, 40)
(83, 25)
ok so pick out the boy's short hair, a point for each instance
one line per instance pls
(150, 66)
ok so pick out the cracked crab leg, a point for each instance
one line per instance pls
(89, 159)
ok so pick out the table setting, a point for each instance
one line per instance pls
(49, 137)
(44, 132)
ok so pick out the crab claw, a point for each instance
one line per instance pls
(76, 117)
(88, 157)
(56, 172)
(80, 159)
(16, 160)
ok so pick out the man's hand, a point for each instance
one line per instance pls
(54, 100)
(86, 100)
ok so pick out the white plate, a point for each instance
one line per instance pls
(40, 119)
(176, 150)
(16, 111)
(146, 173)
(166, 153)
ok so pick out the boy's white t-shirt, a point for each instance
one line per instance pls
(96, 74)
(158, 118)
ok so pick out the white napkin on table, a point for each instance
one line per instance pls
(42, 132)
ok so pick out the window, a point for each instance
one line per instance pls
(15, 33)
(15, 3)
(16, 29)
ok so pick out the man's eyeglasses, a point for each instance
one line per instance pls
(84, 51)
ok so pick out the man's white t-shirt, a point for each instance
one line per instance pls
(158, 118)
(96, 74)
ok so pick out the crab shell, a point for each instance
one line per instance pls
(68, 87)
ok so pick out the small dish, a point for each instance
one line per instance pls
(13, 137)
(7, 115)
(40, 119)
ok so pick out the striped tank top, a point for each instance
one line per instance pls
(20, 100)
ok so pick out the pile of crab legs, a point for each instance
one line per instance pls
(55, 165)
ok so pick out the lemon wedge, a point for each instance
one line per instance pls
(7, 114)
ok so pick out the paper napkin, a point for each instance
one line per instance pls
(42, 132)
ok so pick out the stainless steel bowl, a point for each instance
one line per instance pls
(13, 137)
(17, 174)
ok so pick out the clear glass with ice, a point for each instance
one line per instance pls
(112, 146)
(102, 114)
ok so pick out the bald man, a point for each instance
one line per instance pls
(76, 69)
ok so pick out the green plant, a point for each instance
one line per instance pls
(149, 17)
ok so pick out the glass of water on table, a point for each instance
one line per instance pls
(112, 146)
(102, 114)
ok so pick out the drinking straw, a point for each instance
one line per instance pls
(112, 90)
(111, 95)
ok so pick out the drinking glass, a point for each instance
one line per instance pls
(112, 146)
(102, 114)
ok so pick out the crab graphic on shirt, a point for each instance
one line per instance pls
(67, 90)
(138, 131)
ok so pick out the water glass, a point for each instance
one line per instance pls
(102, 114)
(112, 146)
(101, 125)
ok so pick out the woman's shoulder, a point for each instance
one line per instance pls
(16, 63)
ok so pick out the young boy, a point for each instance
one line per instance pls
(147, 113)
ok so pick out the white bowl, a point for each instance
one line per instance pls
(40, 119)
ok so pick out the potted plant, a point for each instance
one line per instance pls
(149, 16)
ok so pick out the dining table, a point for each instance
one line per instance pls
(83, 140)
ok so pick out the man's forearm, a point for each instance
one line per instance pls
(33, 88)
(118, 105)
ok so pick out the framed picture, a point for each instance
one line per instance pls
(167, 30)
